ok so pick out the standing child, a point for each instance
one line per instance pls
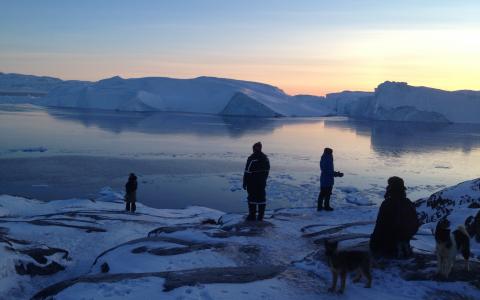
(131, 193)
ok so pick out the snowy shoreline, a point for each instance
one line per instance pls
(93, 249)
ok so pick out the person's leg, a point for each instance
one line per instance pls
(134, 207)
(252, 211)
(328, 193)
(320, 200)
(261, 211)
(127, 206)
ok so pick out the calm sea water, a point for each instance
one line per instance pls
(186, 159)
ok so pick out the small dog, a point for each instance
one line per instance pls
(448, 245)
(344, 261)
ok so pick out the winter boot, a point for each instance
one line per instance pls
(319, 203)
(327, 206)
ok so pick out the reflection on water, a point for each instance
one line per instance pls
(368, 152)
(393, 138)
(171, 123)
(386, 137)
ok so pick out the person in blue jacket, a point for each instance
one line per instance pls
(327, 175)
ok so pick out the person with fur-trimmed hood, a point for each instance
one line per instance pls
(396, 222)
(131, 193)
(255, 181)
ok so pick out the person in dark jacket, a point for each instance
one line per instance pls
(255, 181)
(396, 222)
(327, 175)
(131, 193)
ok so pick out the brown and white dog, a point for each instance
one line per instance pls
(449, 244)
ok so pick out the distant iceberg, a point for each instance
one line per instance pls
(391, 101)
(398, 101)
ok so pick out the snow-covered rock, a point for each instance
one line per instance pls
(398, 101)
(198, 95)
(459, 204)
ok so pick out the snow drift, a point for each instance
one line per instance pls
(198, 95)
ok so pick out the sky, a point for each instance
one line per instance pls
(303, 47)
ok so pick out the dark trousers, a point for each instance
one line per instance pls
(130, 206)
(252, 211)
(324, 197)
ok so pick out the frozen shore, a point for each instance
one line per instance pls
(91, 248)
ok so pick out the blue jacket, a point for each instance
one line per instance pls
(327, 172)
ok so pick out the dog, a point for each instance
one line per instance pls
(449, 244)
(344, 261)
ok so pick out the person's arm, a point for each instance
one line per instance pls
(245, 175)
(267, 167)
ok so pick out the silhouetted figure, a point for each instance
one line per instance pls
(255, 181)
(131, 193)
(327, 175)
(396, 222)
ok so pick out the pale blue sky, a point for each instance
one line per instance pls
(300, 46)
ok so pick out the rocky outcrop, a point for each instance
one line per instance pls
(458, 202)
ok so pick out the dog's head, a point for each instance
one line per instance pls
(442, 231)
(330, 247)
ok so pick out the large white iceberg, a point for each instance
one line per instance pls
(208, 95)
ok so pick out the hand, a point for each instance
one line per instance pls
(244, 186)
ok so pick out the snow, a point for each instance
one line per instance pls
(153, 249)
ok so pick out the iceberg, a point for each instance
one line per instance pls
(391, 101)
(208, 95)
(398, 101)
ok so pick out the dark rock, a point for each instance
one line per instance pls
(423, 267)
(175, 279)
(221, 275)
(105, 268)
(39, 254)
(34, 270)
(474, 205)
(209, 222)
(141, 249)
